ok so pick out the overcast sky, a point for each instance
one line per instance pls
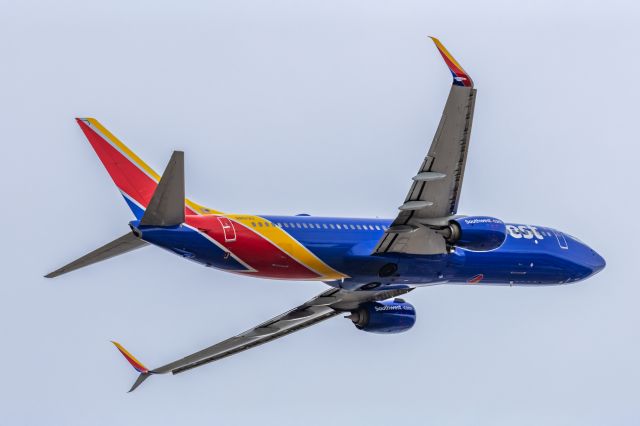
(322, 107)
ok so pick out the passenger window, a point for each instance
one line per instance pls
(298, 225)
(338, 226)
(332, 226)
(352, 227)
(253, 224)
(260, 224)
(377, 227)
(324, 225)
(304, 225)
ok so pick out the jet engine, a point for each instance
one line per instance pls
(389, 316)
(476, 233)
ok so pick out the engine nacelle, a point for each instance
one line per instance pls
(477, 233)
(389, 316)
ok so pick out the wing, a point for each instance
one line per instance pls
(435, 191)
(324, 306)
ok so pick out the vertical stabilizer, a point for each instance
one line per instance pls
(135, 179)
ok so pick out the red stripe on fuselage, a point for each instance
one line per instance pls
(253, 249)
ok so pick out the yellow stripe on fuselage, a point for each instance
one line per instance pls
(289, 245)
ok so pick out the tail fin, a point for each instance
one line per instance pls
(137, 365)
(136, 181)
(121, 245)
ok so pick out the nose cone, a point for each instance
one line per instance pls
(597, 262)
(586, 261)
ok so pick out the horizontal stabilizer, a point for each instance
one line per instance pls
(122, 245)
(166, 207)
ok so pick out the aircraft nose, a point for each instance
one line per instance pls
(592, 260)
(597, 262)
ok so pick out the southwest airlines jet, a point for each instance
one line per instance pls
(367, 263)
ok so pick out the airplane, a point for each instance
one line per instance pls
(367, 263)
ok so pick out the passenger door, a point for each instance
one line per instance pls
(228, 229)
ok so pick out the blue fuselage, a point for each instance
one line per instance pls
(542, 257)
(550, 257)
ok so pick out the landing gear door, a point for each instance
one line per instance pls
(228, 229)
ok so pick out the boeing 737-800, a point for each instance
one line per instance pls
(367, 263)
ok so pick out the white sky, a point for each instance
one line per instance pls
(325, 107)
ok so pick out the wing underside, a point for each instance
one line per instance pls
(435, 190)
(326, 305)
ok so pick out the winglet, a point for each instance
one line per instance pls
(141, 378)
(140, 368)
(460, 76)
